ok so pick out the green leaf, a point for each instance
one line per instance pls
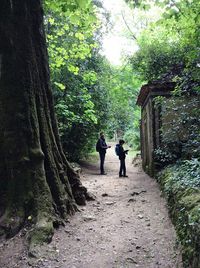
(75, 19)
(60, 85)
(83, 3)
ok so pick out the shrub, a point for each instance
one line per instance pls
(132, 137)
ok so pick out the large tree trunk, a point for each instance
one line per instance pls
(36, 180)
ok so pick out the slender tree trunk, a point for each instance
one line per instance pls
(36, 180)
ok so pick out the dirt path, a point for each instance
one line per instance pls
(127, 226)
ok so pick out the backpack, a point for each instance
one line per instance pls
(98, 145)
(117, 149)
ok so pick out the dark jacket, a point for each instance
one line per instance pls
(103, 146)
(122, 153)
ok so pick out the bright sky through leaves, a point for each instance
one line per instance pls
(115, 43)
(119, 42)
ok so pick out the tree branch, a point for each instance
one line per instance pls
(132, 34)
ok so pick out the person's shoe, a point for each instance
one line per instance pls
(120, 176)
(103, 173)
(125, 176)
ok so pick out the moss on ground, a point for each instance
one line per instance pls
(41, 233)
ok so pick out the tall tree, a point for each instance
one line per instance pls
(37, 182)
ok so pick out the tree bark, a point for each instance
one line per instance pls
(37, 182)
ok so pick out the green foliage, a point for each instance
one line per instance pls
(139, 3)
(181, 185)
(76, 65)
(168, 41)
(163, 156)
(132, 135)
(166, 53)
(81, 108)
(123, 87)
(69, 35)
(132, 138)
(185, 174)
(90, 95)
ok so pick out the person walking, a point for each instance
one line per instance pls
(122, 155)
(101, 147)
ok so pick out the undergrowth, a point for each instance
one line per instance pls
(181, 185)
